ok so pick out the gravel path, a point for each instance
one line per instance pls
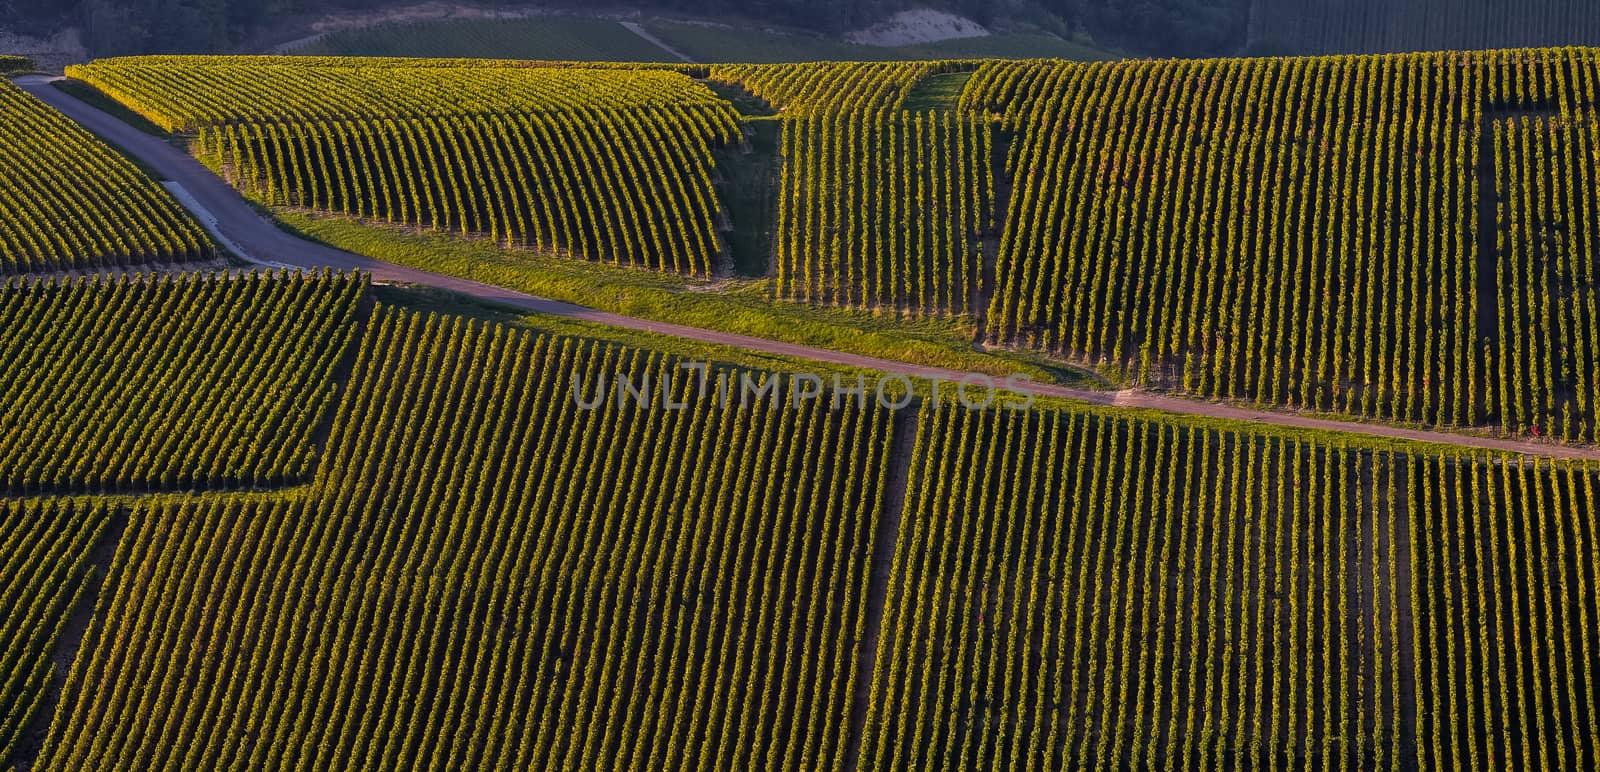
(220, 207)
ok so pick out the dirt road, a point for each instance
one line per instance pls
(219, 206)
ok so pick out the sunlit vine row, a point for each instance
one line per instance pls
(830, 86)
(1549, 358)
(488, 575)
(1083, 591)
(884, 211)
(45, 572)
(627, 187)
(1305, 232)
(68, 201)
(192, 61)
(183, 95)
(141, 383)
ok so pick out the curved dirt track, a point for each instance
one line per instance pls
(238, 224)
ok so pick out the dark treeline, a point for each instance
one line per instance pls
(1156, 27)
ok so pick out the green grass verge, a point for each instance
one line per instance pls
(746, 103)
(741, 306)
(441, 301)
(98, 100)
(940, 92)
(748, 189)
(446, 302)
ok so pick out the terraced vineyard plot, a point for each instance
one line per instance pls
(1549, 366)
(186, 93)
(832, 87)
(626, 187)
(1507, 582)
(1086, 592)
(45, 573)
(613, 165)
(1082, 592)
(1204, 250)
(488, 576)
(1014, 90)
(142, 383)
(67, 201)
(1302, 232)
(884, 212)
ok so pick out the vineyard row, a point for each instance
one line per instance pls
(491, 571)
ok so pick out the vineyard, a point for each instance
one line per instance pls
(610, 163)
(1549, 365)
(487, 575)
(129, 64)
(189, 93)
(172, 383)
(884, 212)
(1506, 615)
(508, 560)
(519, 550)
(606, 164)
(1088, 592)
(1368, 236)
(67, 201)
(1304, 232)
(831, 87)
(292, 521)
(1139, 595)
(625, 187)
(44, 572)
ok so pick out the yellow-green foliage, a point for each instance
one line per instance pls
(69, 201)
(185, 93)
(140, 383)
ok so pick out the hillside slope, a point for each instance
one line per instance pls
(1394, 26)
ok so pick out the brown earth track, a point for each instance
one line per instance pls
(72, 635)
(261, 240)
(883, 549)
